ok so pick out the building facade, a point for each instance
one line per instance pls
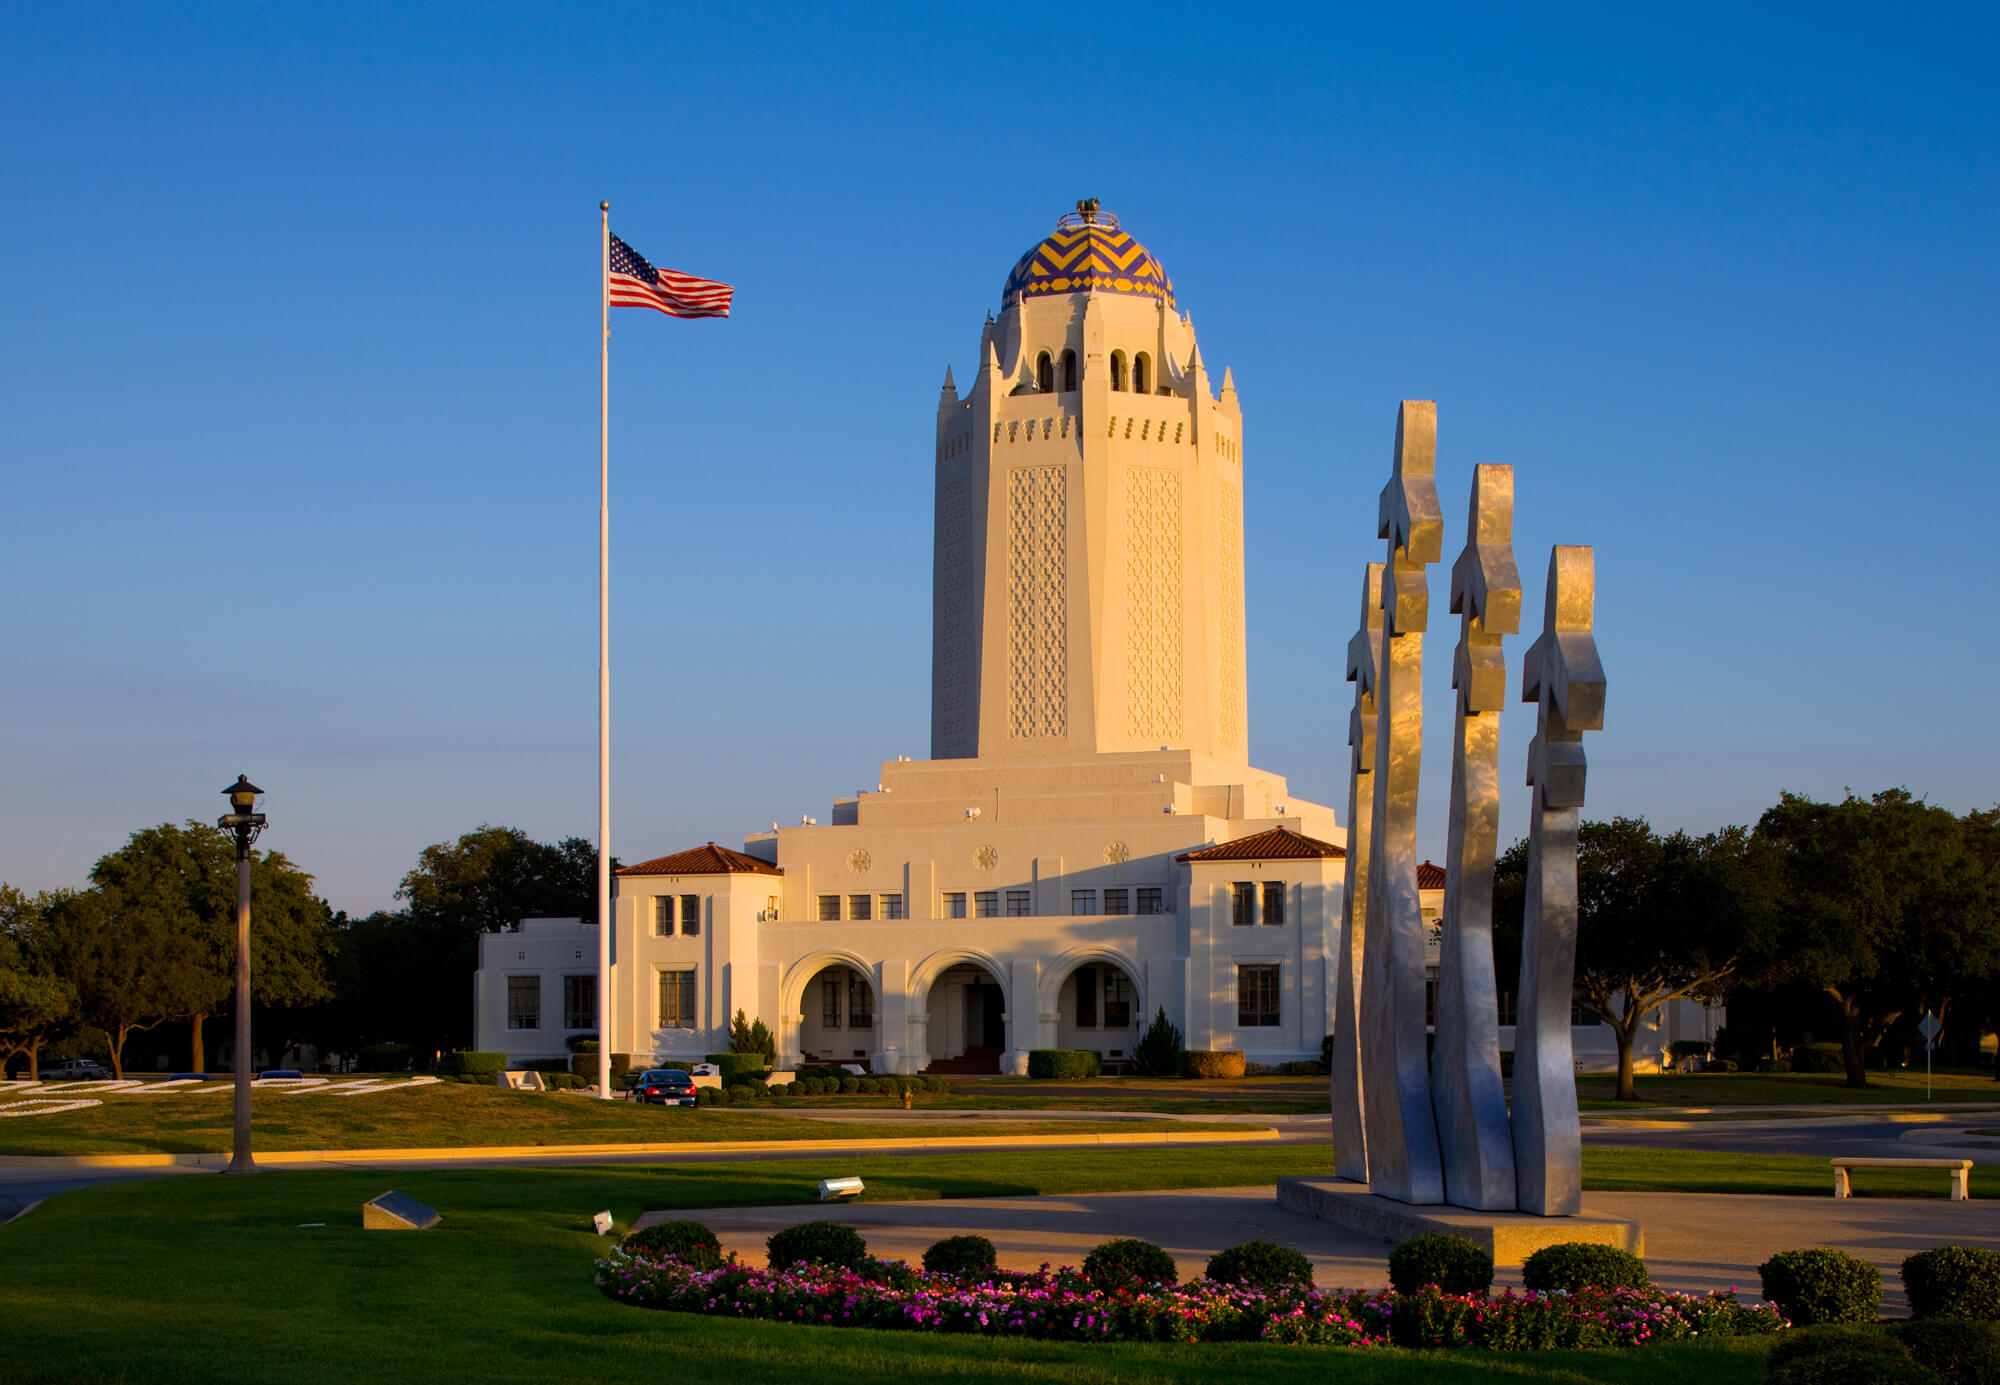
(1088, 844)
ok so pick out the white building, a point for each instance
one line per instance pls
(1089, 843)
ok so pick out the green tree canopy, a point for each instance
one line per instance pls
(37, 1004)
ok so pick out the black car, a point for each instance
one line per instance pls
(664, 1087)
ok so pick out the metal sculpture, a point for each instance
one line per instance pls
(1396, 1095)
(1469, 1097)
(1350, 1127)
(1564, 678)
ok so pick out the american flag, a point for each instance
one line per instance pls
(636, 284)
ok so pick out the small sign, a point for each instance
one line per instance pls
(397, 1212)
(1930, 1028)
(602, 1221)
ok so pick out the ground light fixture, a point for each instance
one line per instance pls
(833, 1188)
(245, 823)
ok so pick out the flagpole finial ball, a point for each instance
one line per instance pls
(604, 206)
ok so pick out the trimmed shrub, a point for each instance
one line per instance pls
(849, 1084)
(581, 1043)
(1129, 1261)
(584, 1065)
(937, 1082)
(735, 1068)
(740, 1092)
(817, 1243)
(472, 1063)
(1265, 1264)
(1158, 1052)
(780, 1089)
(546, 1065)
(891, 1274)
(1822, 1286)
(820, 1070)
(383, 1057)
(689, 1242)
(1954, 1282)
(1300, 1067)
(1574, 1265)
(709, 1096)
(562, 1082)
(1845, 1355)
(1453, 1263)
(961, 1255)
(1774, 1065)
(1212, 1062)
(1818, 1058)
(1964, 1353)
(1049, 1063)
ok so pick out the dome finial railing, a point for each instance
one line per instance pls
(1087, 213)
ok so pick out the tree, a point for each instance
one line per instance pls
(1659, 919)
(36, 1003)
(131, 969)
(747, 1036)
(1158, 1052)
(1888, 904)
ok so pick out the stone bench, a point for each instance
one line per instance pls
(1960, 1170)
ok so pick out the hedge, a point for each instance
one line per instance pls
(1453, 1263)
(1212, 1062)
(1822, 1286)
(584, 1065)
(1127, 1262)
(1574, 1265)
(736, 1068)
(1954, 1282)
(689, 1242)
(1065, 1062)
(1265, 1264)
(961, 1255)
(473, 1063)
(816, 1243)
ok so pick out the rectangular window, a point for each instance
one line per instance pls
(1274, 903)
(1083, 901)
(1243, 904)
(892, 906)
(690, 915)
(524, 1002)
(860, 1002)
(1086, 997)
(1257, 997)
(986, 904)
(663, 916)
(1149, 900)
(1117, 999)
(771, 907)
(677, 1000)
(861, 906)
(954, 906)
(1117, 901)
(579, 1002)
(829, 908)
(1019, 904)
(829, 1003)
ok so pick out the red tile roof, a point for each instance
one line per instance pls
(703, 860)
(1278, 844)
(1430, 877)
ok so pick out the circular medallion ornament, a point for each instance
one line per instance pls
(1116, 854)
(858, 861)
(986, 858)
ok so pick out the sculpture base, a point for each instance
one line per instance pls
(1511, 1237)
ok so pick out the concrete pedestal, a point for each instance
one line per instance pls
(1511, 1237)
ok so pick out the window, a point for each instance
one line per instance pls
(1086, 997)
(771, 907)
(986, 904)
(860, 1002)
(1243, 901)
(954, 906)
(1506, 1007)
(1018, 904)
(1430, 997)
(1141, 367)
(1257, 997)
(1117, 999)
(861, 906)
(579, 1002)
(1083, 901)
(663, 916)
(677, 999)
(829, 1003)
(1118, 370)
(690, 915)
(892, 906)
(1117, 901)
(829, 908)
(524, 1002)
(1274, 902)
(1149, 900)
(1045, 374)
(1069, 370)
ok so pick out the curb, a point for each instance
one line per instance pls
(482, 1153)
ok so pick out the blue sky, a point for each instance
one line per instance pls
(298, 387)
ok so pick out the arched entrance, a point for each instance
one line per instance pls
(1098, 1005)
(838, 1012)
(967, 1032)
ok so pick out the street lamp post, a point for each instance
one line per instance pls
(245, 824)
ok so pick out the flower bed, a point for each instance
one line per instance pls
(1060, 1305)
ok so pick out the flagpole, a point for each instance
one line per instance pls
(604, 663)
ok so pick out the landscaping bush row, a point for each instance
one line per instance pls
(1819, 1286)
(821, 1273)
(847, 1084)
(1065, 1062)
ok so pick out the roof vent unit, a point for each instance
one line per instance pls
(971, 813)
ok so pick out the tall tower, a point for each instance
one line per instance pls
(1087, 582)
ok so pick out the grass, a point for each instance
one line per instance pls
(1597, 1093)
(452, 1115)
(203, 1278)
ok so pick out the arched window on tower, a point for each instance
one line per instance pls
(1069, 370)
(1045, 374)
(1118, 370)
(1141, 373)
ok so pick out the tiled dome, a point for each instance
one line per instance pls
(1087, 252)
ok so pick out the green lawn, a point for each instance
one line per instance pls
(205, 1278)
(453, 1115)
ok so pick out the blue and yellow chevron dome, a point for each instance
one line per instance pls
(1079, 259)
